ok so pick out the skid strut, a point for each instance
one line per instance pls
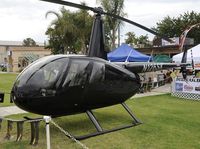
(101, 131)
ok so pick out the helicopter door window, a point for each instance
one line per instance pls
(98, 72)
(48, 75)
(77, 73)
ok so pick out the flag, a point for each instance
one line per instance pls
(184, 34)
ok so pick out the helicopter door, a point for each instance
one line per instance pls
(77, 78)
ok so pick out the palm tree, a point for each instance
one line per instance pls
(60, 31)
(83, 22)
(131, 38)
(143, 41)
(114, 7)
(69, 31)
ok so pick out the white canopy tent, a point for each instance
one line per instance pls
(188, 89)
(195, 53)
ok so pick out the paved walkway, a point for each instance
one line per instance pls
(157, 91)
(5, 111)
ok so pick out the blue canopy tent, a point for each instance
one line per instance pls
(125, 53)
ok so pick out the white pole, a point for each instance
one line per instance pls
(128, 55)
(47, 120)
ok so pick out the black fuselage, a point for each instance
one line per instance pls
(63, 85)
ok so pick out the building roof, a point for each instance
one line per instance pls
(15, 43)
(10, 43)
(31, 57)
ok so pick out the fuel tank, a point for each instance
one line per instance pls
(62, 85)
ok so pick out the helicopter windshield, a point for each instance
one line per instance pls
(48, 75)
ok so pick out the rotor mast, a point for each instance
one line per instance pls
(97, 37)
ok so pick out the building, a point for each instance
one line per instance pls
(165, 50)
(15, 57)
(163, 47)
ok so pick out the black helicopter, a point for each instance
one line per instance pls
(59, 85)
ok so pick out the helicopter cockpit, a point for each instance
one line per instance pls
(41, 75)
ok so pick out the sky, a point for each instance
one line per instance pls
(20, 19)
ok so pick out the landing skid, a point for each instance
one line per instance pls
(101, 131)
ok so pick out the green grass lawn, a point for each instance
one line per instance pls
(168, 123)
(6, 83)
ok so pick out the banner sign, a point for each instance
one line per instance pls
(197, 66)
(191, 85)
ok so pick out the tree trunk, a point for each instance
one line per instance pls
(113, 39)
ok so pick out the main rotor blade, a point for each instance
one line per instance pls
(97, 10)
(70, 4)
(137, 24)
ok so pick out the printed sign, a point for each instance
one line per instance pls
(179, 87)
(191, 85)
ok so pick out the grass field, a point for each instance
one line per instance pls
(6, 83)
(168, 123)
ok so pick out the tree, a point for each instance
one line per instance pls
(83, 21)
(112, 24)
(29, 42)
(173, 27)
(69, 32)
(131, 38)
(141, 41)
